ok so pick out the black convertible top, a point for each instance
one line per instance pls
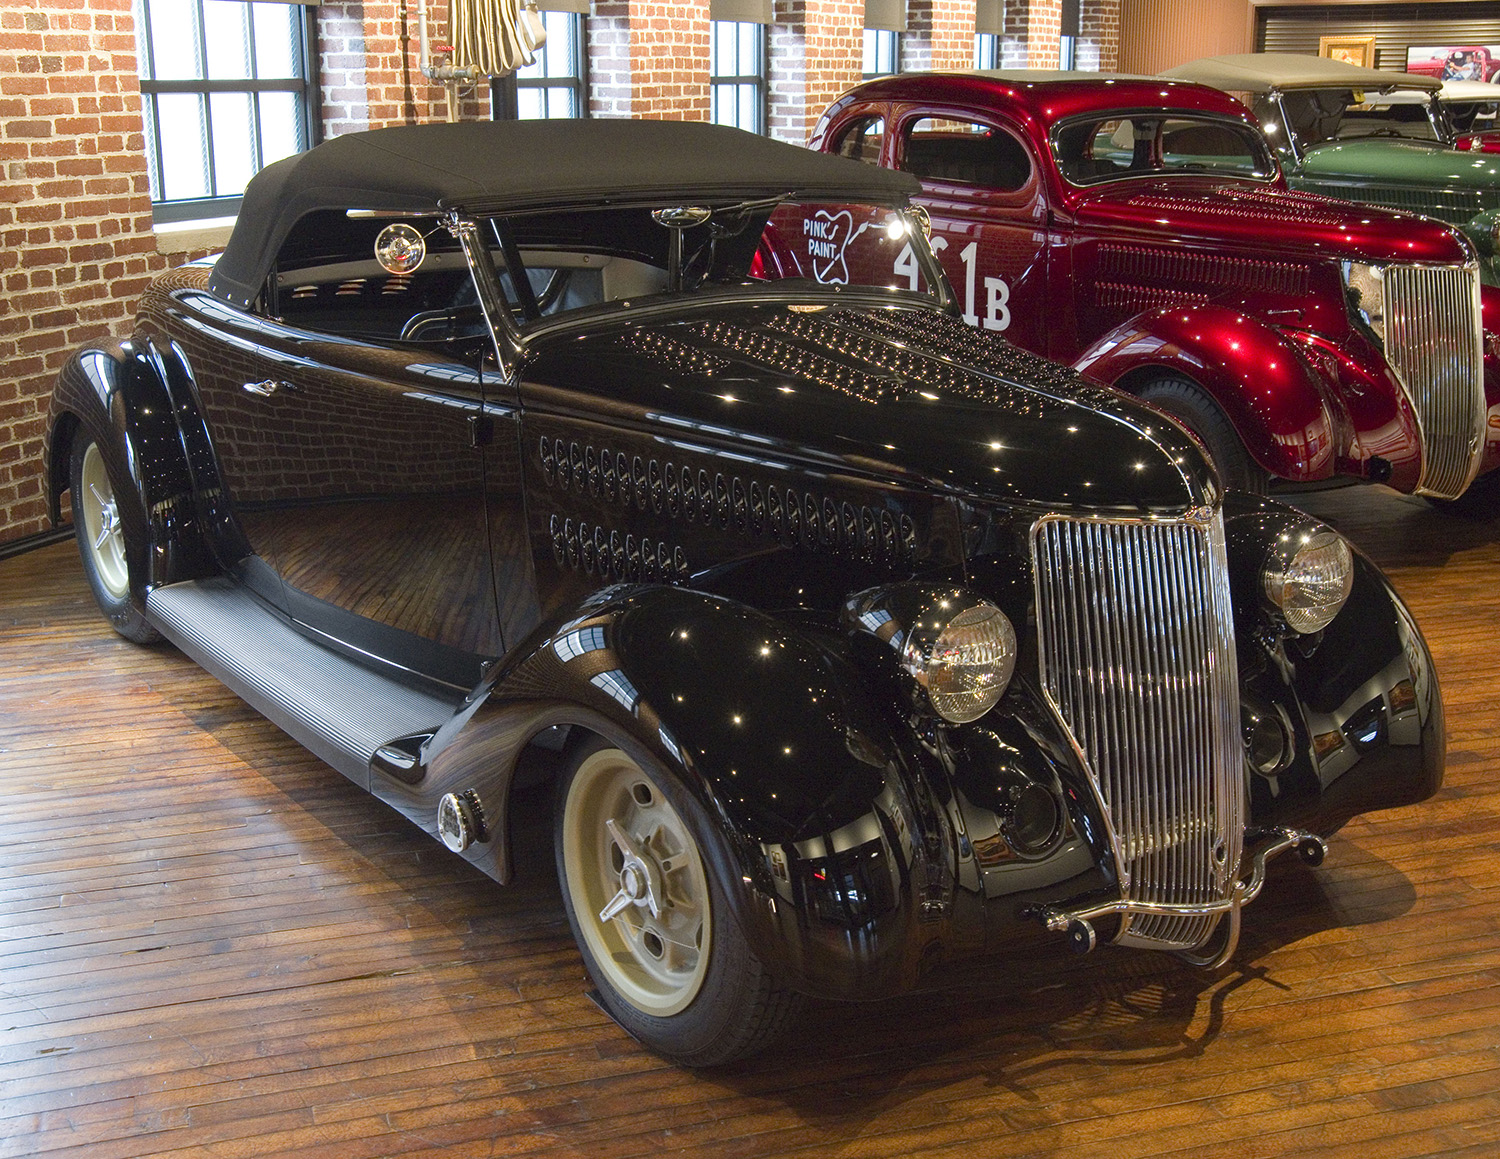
(495, 166)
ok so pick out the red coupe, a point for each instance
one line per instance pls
(1141, 231)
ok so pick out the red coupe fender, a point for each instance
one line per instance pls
(1284, 420)
(1489, 307)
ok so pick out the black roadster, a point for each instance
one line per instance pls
(868, 641)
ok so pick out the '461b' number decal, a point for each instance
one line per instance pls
(996, 292)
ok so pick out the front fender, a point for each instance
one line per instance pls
(1277, 403)
(119, 396)
(824, 838)
(1360, 698)
(1489, 313)
(1481, 230)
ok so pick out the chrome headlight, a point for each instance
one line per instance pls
(1364, 287)
(958, 649)
(1308, 580)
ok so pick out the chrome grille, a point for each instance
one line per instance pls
(1433, 339)
(1136, 640)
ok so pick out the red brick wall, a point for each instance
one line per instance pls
(649, 59)
(371, 73)
(75, 215)
(1099, 35)
(817, 47)
(939, 35)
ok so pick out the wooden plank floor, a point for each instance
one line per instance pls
(211, 944)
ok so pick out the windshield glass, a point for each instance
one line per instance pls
(406, 279)
(1113, 146)
(600, 257)
(1317, 116)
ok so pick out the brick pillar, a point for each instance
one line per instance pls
(649, 60)
(817, 48)
(1031, 38)
(372, 67)
(1099, 36)
(939, 35)
(344, 93)
(76, 246)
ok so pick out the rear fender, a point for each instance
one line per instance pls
(1275, 400)
(118, 395)
(826, 838)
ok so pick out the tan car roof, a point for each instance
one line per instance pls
(1258, 72)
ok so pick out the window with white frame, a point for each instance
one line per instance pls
(553, 85)
(226, 88)
(986, 50)
(737, 79)
(882, 52)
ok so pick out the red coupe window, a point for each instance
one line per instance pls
(862, 140)
(966, 152)
(1108, 148)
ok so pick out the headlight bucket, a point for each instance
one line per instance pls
(1307, 577)
(1364, 287)
(956, 650)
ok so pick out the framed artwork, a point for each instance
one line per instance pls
(1358, 50)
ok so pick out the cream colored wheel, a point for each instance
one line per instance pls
(636, 885)
(103, 537)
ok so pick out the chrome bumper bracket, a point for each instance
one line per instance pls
(1077, 921)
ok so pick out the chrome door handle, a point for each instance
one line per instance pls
(269, 387)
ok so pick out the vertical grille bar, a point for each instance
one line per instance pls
(1434, 340)
(1137, 652)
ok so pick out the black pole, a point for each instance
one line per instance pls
(504, 103)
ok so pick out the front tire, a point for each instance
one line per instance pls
(1196, 409)
(655, 931)
(102, 540)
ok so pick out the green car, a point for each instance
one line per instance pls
(1339, 132)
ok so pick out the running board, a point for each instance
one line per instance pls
(337, 708)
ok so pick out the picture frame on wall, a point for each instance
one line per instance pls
(1358, 50)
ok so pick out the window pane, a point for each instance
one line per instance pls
(184, 146)
(749, 115)
(281, 129)
(226, 26)
(276, 41)
(560, 59)
(234, 142)
(722, 50)
(557, 60)
(148, 107)
(174, 40)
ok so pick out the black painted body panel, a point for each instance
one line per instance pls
(672, 510)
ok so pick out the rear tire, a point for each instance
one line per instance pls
(1196, 409)
(683, 980)
(103, 543)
